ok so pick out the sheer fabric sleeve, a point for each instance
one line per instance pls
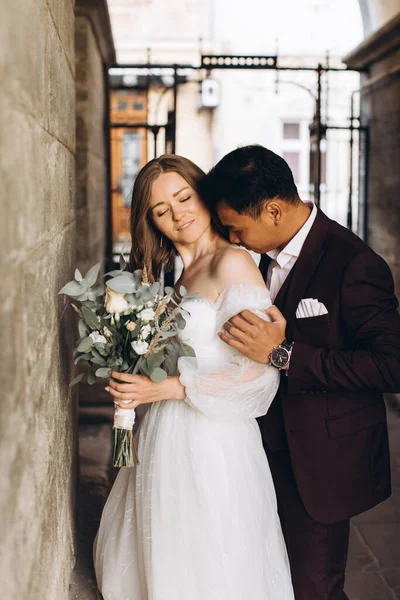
(231, 387)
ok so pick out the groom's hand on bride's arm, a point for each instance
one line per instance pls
(131, 390)
(254, 337)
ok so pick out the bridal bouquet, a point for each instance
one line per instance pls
(126, 325)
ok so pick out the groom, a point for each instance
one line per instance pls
(335, 336)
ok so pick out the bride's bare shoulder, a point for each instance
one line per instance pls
(232, 265)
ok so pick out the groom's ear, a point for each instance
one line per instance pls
(272, 211)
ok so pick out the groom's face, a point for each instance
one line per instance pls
(259, 235)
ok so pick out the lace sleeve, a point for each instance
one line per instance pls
(235, 388)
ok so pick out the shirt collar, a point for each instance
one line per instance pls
(294, 247)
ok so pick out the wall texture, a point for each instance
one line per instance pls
(94, 52)
(380, 111)
(38, 430)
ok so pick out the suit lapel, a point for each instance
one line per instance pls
(300, 276)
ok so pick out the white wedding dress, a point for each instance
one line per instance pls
(197, 519)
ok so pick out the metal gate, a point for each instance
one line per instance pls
(160, 137)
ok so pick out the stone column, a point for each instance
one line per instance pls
(380, 111)
(94, 53)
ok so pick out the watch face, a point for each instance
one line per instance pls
(279, 357)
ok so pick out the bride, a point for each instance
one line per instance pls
(197, 519)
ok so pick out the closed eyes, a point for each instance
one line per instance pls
(165, 211)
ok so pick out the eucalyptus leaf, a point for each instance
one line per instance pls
(91, 378)
(91, 276)
(122, 284)
(155, 287)
(95, 352)
(90, 318)
(158, 375)
(83, 330)
(168, 334)
(98, 360)
(82, 357)
(104, 349)
(77, 379)
(83, 297)
(186, 350)
(169, 290)
(183, 291)
(103, 372)
(96, 291)
(85, 344)
(91, 305)
(144, 368)
(180, 321)
(154, 361)
(72, 288)
(78, 275)
(170, 364)
(144, 295)
(131, 298)
(113, 273)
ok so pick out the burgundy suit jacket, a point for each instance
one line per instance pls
(329, 412)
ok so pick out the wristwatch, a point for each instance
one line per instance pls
(280, 355)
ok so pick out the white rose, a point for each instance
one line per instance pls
(147, 314)
(140, 347)
(131, 326)
(145, 332)
(98, 338)
(115, 302)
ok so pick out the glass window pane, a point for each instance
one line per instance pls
(293, 160)
(291, 131)
(131, 155)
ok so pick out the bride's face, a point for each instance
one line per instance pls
(177, 210)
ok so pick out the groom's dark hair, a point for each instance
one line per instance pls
(247, 177)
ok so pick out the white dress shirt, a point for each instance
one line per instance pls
(283, 260)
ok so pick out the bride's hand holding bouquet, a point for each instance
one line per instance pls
(128, 327)
(137, 389)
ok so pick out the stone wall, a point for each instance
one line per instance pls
(380, 111)
(38, 431)
(94, 53)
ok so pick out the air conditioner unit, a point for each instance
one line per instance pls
(209, 93)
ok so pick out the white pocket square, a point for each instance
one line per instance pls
(310, 307)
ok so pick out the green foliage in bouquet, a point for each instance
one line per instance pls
(126, 324)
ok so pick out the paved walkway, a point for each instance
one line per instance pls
(374, 556)
(373, 571)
